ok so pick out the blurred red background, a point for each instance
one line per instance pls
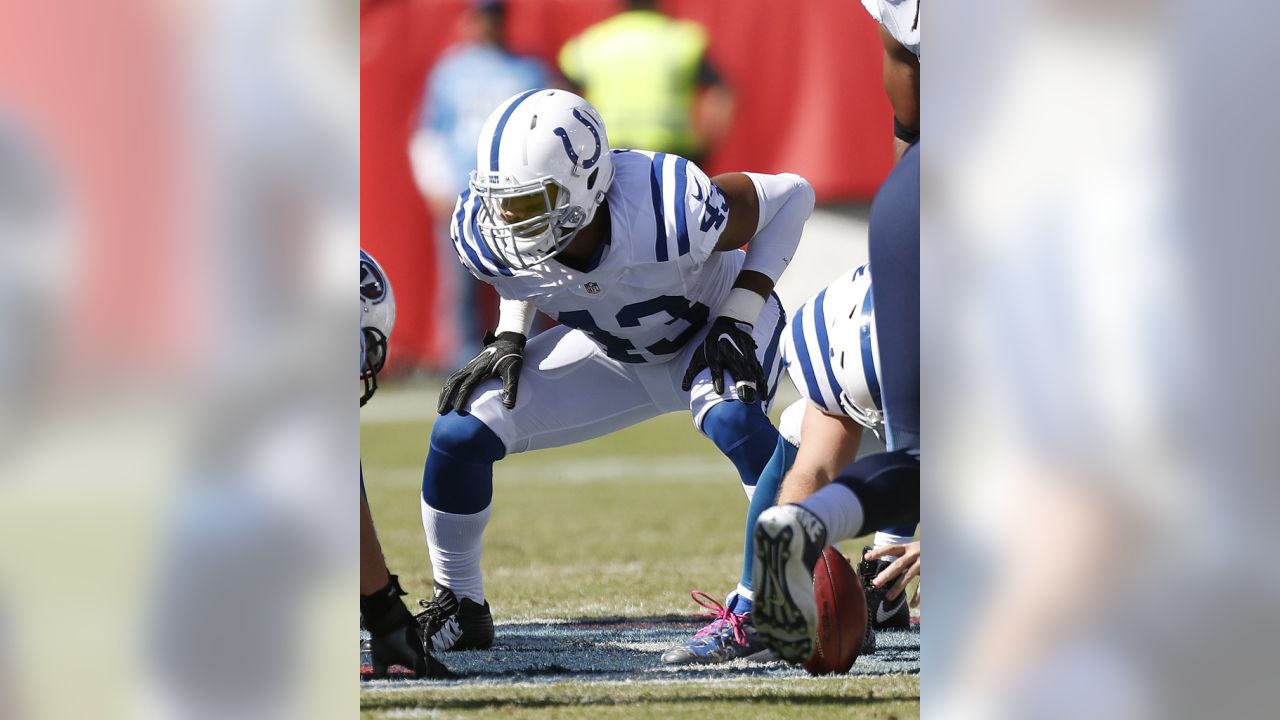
(806, 77)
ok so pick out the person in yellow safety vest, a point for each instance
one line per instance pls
(649, 77)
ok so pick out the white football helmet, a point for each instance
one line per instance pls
(848, 316)
(542, 168)
(377, 317)
(855, 357)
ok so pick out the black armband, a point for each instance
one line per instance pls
(904, 133)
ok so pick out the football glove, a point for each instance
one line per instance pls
(503, 356)
(729, 348)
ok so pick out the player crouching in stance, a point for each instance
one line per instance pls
(395, 645)
(637, 256)
(833, 348)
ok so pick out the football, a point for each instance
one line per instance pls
(842, 615)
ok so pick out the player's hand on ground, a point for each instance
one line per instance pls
(901, 571)
(503, 356)
(729, 348)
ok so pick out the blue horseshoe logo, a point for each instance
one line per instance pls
(573, 156)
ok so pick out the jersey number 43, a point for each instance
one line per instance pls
(676, 307)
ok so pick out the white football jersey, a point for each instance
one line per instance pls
(830, 349)
(659, 280)
(901, 18)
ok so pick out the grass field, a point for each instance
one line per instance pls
(590, 554)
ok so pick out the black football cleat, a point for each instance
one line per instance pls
(883, 613)
(400, 655)
(448, 623)
(869, 640)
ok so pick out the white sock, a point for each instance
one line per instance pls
(838, 509)
(455, 542)
(884, 539)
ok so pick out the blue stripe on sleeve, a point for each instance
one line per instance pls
(868, 360)
(480, 244)
(460, 229)
(806, 363)
(655, 185)
(496, 145)
(470, 227)
(824, 344)
(682, 229)
(773, 383)
(456, 226)
(773, 349)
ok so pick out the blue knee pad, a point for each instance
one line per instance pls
(458, 477)
(744, 434)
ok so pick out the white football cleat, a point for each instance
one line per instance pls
(788, 542)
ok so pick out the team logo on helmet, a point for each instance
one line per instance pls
(373, 287)
(573, 156)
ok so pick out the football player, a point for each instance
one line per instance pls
(396, 647)
(900, 34)
(830, 351)
(826, 495)
(637, 255)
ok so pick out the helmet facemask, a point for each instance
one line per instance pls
(377, 317)
(375, 356)
(870, 417)
(525, 224)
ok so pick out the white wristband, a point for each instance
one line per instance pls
(743, 305)
(515, 316)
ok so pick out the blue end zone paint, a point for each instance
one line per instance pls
(629, 649)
